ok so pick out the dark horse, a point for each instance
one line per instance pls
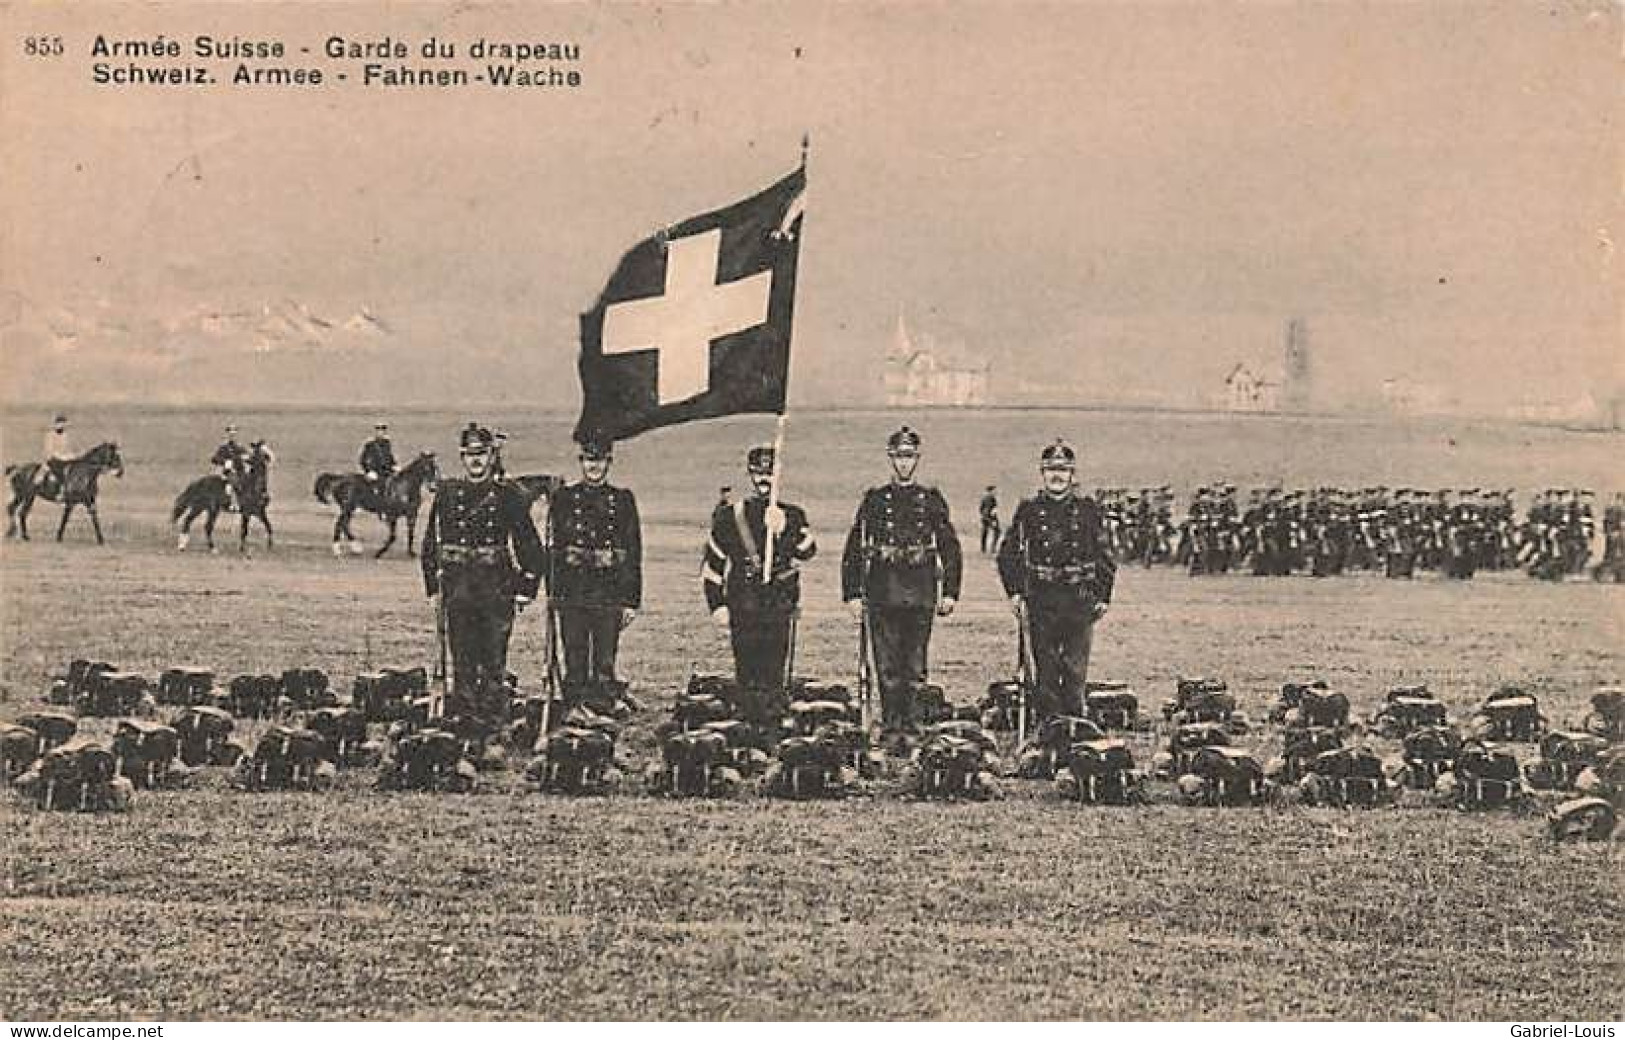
(77, 488)
(207, 496)
(402, 495)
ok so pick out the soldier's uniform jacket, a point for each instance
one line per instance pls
(597, 546)
(229, 455)
(378, 456)
(1056, 546)
(481, 541)
(58, 446)
(900, 545)
(732, 571)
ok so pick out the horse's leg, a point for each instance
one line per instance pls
(22, 514)
(67, 511)
(242, 534)
(208, 527)
(338, 533)
(411, 529)
(11, 514)
(390, 540)
(265, 518)
(95, 523)
(183, 536)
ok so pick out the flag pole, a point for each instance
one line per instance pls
(778, 436)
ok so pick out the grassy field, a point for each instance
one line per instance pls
(210, 903)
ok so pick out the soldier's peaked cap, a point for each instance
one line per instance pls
(760, 458)
(59, 418)
(903, 441)
(476, 438)
(380, 425)
(1059, 454)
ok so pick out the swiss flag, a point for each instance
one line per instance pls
(695, 322)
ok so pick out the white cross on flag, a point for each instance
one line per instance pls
(695, 323)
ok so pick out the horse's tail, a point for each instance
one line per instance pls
(182, 500)
(325, 482)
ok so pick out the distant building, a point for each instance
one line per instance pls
(924, 376)
(1245, 391)
(1297, 392)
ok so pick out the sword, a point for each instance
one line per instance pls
(550, 685)
(437, 695)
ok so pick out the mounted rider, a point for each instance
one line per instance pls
(57, 453)
(229, 462)
(378, 459)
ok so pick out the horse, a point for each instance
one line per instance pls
(76, 488)
(401, 496)
(208, 496)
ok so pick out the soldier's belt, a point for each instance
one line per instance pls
(905, 555)
(1071, 574)
(592, 559)
(484, 554)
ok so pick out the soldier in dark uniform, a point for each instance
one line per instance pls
(758, 615)
(902, 563)
(989, 510)
(595, 570)
(378, 458)
(482, 556)
(1055, 567)
(227, 461)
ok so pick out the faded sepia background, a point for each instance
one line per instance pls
(1118, 203)
(1110, 212)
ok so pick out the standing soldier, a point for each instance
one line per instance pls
(758, 614)
(989, 509)
(56, 454)
(902, 563)
(1055, 567)
(595, 571)
(227, 462)
(378, 459)
(482, 557)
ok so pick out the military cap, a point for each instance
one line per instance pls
(476, 438)
(231, 428)
(904, 442)
(380, 425)
(597, 446)
(59, 419)
(1058, 456)
(760, 459)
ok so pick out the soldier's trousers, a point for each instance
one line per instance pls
(591, 635)
(990, 536)
(478, 628)
(1063, 633)
(901, 638)
(761, 648)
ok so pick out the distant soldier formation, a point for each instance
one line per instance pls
(1397, 532)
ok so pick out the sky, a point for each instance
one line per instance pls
(1115, 202)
